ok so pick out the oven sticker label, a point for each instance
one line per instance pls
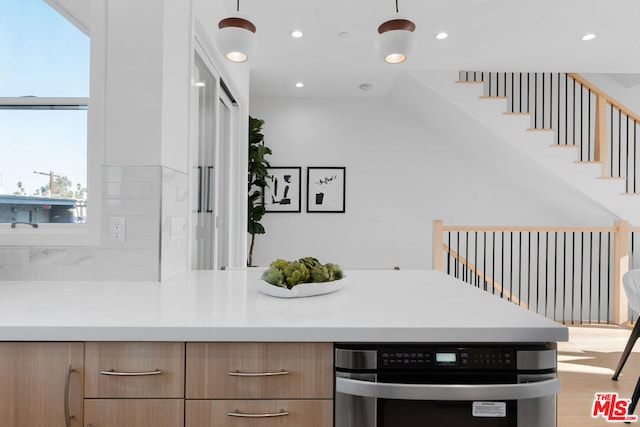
(612, 408)
(489, 409)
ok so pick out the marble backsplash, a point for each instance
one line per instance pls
(154, 202)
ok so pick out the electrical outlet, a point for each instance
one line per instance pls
(117, 230)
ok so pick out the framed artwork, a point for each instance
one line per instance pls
(284, 192)
(326, 189)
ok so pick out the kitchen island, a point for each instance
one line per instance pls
(208, 348)
(375, 305)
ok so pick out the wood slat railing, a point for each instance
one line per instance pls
(604, 102)
(581, 115)
(569, 274)
(472, 269)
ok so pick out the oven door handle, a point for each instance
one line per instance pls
(529, 390)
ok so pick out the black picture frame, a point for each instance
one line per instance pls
(326, 189)
(284, 190)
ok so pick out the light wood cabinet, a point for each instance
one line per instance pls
(132, 384)
(262, 413)
(259, 370)
(41, 384)
(259, 384)
(134, 370)
(134, 412)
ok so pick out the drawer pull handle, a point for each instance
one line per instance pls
(237, 413)
(67, 410)
(131, 374)
(257, 374)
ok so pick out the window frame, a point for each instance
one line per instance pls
(75, 234)
(49, 233)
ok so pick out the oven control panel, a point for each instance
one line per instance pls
(487, 358)
(473, 358)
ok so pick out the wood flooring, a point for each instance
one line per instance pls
(586, 364)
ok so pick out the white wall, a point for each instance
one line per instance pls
(141, 63)
(397, 181)
(177, 61)
(401, 175)
(134, 82)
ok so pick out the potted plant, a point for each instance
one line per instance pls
(257, 181)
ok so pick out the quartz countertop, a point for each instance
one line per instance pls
(374, 306)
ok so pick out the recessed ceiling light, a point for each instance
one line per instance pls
(366, 86)
(343, 34)
(589, 36)
(199, 84)
(299, 84)
(442, 36)
(296, 34)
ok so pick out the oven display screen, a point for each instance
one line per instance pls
(445, 358)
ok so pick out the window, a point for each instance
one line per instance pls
(44, 89)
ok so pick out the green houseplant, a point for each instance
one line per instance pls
(257, 181)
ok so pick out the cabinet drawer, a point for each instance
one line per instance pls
(134, 412)
(134, 370)
(259, 370)
(259, 413)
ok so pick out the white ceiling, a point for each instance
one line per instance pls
(488, 35)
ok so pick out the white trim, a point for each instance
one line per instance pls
(37, 101)
(236, 244)
(49, 234)
(96, 128)
(87, 234)
(208, 52)
(69, 16)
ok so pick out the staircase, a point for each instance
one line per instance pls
(559, 121)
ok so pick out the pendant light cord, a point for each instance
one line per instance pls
(238, 5)
(396, 5)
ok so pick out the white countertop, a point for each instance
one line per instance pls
(375, 305)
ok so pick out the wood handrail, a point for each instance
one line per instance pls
(572, 228)
(605, 96)
(597, 145)
(620, 262)
(568, 229)
(483, 276)
(586, 83)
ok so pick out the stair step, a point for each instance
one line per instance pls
(604, 190)
(505, 124)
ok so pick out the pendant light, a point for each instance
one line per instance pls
(396, 38)
(236, 37)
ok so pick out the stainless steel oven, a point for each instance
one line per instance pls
(412, 385)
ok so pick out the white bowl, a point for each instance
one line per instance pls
(301, 290)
